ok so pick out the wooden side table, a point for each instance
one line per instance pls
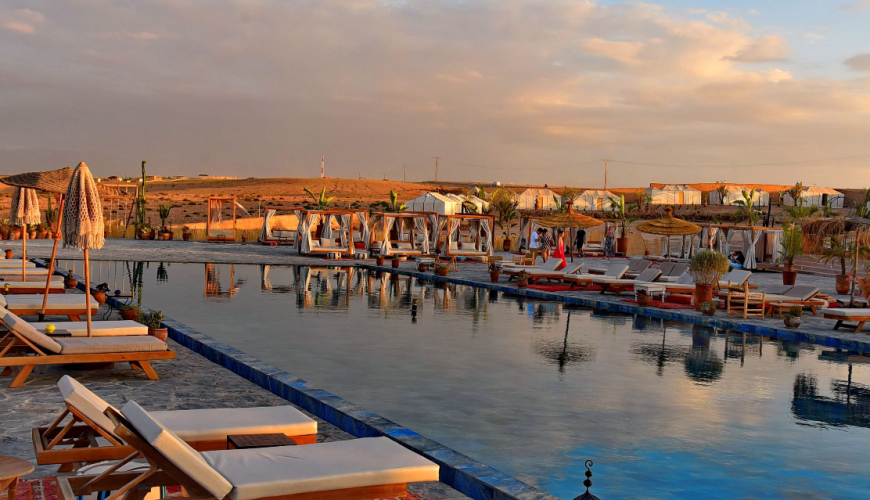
(245, 441)
(11, 469)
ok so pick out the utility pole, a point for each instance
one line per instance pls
(404, 173)
(436, 167)
(605, 174)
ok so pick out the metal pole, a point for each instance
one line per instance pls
(88, 291)
(605, 175)
(436, 167)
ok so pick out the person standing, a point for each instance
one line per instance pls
(610, 243)
(559, 253)
(533, 244)
(545, 242)
(580, 241)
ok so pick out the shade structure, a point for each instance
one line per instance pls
(816, 231)
(569, 219)
(54, 181)
(538, 199)
(669, 226)
(25, 211)
(82, 221)
(434, 202)
(674, 194)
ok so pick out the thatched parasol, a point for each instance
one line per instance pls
(669, 226)
(569, 219)
(82, 222)
(816, 231)
(25, 211)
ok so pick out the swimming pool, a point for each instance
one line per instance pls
(665, 409)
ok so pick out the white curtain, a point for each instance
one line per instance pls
(420, 224)
(386, 247)
(523, 223)
(486, 226)
(302, 228)
(363, 227)
(433, 224)
(299, 215)
(725, 236)
(345, 236)
(453, 228)
(775, 244)
(749, 242)
(313, 220)
(266, 233)
(327, 227)
(265, 284)
(666, 249)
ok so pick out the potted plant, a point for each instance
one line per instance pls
(165, 231)
(4, 229)
(623, 221)
(838, 250)
(422, 267)
(185, 233)
(792, 247)
(130, 312)
(154, 322)
(15, 233)
(442, 269)
(396, 261)
(31, 231)
(99, 293)
(522, 279)
(505, 204)
(708, 308)
(707, 268)
(9, 253)
(42, 230)
(792, 317)
(143, 230)
(70, 281)
(379, 260)
(643, 298)
(494, 272)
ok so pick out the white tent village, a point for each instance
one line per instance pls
(733, 194)
(434, 202)
(479, 205)
(674, 194)
(594, 199)
(538, 199)
(816, 196)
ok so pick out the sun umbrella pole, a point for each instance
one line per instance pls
(57, 237)
(24, 253)
(88, 290)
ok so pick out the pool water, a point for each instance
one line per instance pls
(532, 388)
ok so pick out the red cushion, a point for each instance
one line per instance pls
(679, 299)
(359, 245)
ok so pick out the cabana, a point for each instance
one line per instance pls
(760, 245)
(816, 196)
(538, 199)
(434, 202)
(413, 232)
(674, 194)
(326, 242)
(467, 201)
(594, 199)
(528, 225)
(480, 231)
(733, 194)
(214, 225)
(281, 225)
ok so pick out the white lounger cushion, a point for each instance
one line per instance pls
(21, 327)
(120, 328)
(13, 271)
(37, 279)
(848, 313)
(108, 345)
(35, 285)
(217, 423)
(10, 263)
(288, 470)
(34, 301)
(200, 424)
(176, 450)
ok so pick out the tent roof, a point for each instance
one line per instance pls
(538, 192)
(598, 193)
(430, 196)
(675, 187)
(817, 190)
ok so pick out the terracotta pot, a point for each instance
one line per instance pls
(644, 300)
(494, 277)
(522, 283)
(100, 297)
(152, 234)
(703, 293)
(379, 261)
(708, 309)
(159, 333)
(622, 245)
(506, 245)
(396, 262)
(442, 272)
(185, 236)
(129, 314)
(789, 277)
(792, 321)
(423, 268)
(42, 234)
(70, 282)
(844, 284)
(9, 254)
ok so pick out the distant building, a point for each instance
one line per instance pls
(538, 199)
(816, 196)
(594, 199)
(674, 194)
(760, 198)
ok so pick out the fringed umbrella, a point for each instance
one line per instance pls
(25, 212)
(816, 231)
(82, 224)
(52, 181)
(669, 226)
(569, 219)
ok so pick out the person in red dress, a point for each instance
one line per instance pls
(560, 248)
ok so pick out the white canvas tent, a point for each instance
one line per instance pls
(816, 196)
(434, 202)
(538, 199)
(674, 194)
(478, 203)
(594, 199)
(761, 198)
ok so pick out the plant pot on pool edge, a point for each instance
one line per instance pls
(130, 313)
(643, 299)
(708, 308)
(494, 272)
(707, 268)
(441, 270)
(70, 282)
(396, 262)
(379, 260)
(154, 322)
(792, 317)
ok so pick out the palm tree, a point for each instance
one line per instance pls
(722, 189)
(622, 210)
(321, 200)
(568, 195)
(504, 204)
(746, 209)
(393, 206)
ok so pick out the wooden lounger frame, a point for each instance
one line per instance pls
(162, 472)
(73, 312)
(17, 351)
(841, 321)
(74, 443)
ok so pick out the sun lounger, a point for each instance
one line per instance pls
(618, 286)
(637, 266)
(685, 283)
(856, 315)
(15, 264)
(549, 266)
(71, 305)
(676, 269)
(571, 270)
(615, 271)
(73, 442)
(357, 469)
(39, 278)
(117, 328)
(25, 347)
(19, 287)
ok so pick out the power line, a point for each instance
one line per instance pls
(802, 162)
(518, 168)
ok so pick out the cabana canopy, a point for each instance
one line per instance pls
(280, 225)
(327, 242)
(538, 199)
(594, 199)
(816, 196)
(674, 194)
(760, 198)
(480, 231)
(414, 232)
(434, 202)
(214, 230)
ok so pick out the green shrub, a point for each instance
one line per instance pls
(708, 267)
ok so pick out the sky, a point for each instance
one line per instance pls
(516, 91)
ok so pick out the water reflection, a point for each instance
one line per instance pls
(701, 364)
(213, 289)
(849, 404)
(566, 352)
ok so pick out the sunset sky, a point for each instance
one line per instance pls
(510, 90)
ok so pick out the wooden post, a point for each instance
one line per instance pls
(24, 252)
(57, 237)
(88, 290)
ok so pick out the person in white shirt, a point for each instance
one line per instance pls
(533, 244)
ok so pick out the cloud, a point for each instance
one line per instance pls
(861, 6)
(860, 62)
(769, 48)
(624, 52)
(20, 27)
(21, 20)
(814, 36)
(142, 35)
